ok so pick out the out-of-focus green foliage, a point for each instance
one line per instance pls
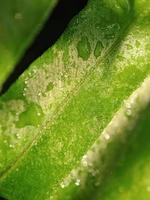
(20, 20)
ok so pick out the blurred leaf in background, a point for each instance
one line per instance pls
(19, 23)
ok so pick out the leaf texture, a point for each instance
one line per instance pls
(57, 109)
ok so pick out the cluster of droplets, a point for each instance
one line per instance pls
(133, 51)
(87, 168)
(72, 178)
(29, 75)
(129, 105)
(93, 163)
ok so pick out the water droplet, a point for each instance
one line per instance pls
(77, 182)
(39, 94)
(64, 184)
(38, 113)
(26, 82)
(98, 49)
(29, 74)
(11, 146)
(18, 136)
(94, 172)
(84, 48)
(128, 110)
(107, 136)
(84, 161)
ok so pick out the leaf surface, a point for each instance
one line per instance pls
(57, 109)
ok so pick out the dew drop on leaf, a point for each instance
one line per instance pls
(107, 136)
(84, 161)
(64, 184)
(128, 110)
(11, 146)
(18, 135)
(77, 182)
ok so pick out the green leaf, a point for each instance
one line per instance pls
(117, 165)
(19, 23)
(57, 109)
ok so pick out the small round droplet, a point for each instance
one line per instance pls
(107, 136)
(11, 146)
(18, 136)
(39, 94)
(64, 184)
(26, 82)
(34, 71)
(77, 182)
(38, 113)
(84, 161)
(128, 112)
